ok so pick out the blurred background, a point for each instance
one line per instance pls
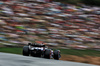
(73, 26)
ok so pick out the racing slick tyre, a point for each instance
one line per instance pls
(26, 51)
(47, 54)
(56, 55)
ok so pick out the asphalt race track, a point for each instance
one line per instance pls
(18, 60)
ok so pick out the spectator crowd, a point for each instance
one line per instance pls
(54, 23)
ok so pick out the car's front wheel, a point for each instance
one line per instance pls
(57, 55)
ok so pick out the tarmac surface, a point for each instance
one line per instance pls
(7, 59)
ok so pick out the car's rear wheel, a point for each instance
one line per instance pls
(56, 55)
(26, 51)
(47, 54)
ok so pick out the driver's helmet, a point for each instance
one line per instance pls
(29, 43)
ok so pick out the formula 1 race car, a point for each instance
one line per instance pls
(40, 50)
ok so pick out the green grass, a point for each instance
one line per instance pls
(63, 51)
(80, 52)
(11, 50)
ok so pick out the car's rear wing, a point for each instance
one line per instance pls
(37, 45)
